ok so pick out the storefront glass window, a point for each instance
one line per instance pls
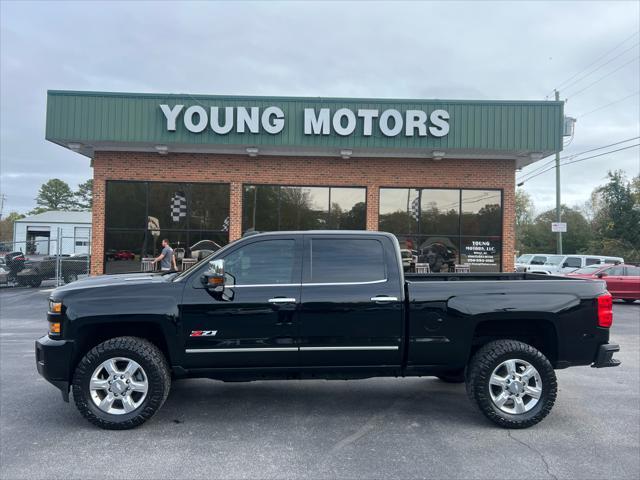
(399, 210)
(451, 227)
(481, 212)
(181, 212)
(440, 211)
(127, 204)
(273, 207)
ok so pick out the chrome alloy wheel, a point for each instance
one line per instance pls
(118, 386)
(515, 386)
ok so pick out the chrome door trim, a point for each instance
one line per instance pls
(241, 350)
(327, 349)
(372, 282)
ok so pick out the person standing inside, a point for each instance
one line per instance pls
(167, 259)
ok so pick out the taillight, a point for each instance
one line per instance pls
(605, 310)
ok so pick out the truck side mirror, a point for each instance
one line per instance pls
(213, 278)
(565, 264)
(601, 274)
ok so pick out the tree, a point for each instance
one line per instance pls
(525, 213)
(6, 226)
(54, 195)
(616, 220)
(84, 195)
(538, 236)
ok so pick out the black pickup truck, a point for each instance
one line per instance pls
(295, 305)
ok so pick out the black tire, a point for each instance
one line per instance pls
(148, 356)
(489, 357)
(452, 377)
(70, 277)
(35, 282)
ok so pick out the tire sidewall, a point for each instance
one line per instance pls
(153, 400)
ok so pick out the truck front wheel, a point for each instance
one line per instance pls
(513, 384)
(121, 383)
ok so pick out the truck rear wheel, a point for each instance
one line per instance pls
(121, 383)
(513, 384)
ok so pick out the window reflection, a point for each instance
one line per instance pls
(399, 210)
(183, 213)
(442, 231)
(274, 207)
(481, 212)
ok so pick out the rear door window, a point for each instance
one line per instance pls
(593, 261)
(573, 262)
(346, 261)
(538, 260)
(616, 271)
(632, 271)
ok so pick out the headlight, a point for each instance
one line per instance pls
(55, 318)
(55, 307)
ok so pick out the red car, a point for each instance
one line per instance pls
(124, 255)
(623, 281)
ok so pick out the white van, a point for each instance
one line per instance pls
(525, 262)
(561, 264)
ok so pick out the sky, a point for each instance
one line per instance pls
(452, 50)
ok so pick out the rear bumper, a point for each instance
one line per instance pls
(53, 361)
(605, 356)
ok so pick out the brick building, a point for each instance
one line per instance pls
(438, 174)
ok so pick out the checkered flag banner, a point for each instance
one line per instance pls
(415, 209)
(178, 206)
(225, 225)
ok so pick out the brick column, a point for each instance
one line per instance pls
(373, 204)
(97, 226)
(235, 211)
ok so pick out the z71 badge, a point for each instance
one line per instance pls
(203, 333)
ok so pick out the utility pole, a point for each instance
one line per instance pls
(558, 216)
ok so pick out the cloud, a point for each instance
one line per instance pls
(452, 50)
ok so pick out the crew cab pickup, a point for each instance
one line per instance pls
(326, 304)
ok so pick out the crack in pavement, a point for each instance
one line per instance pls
(535, 450)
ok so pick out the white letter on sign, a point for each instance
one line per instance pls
(202, 119)
(337, 122)
(316, 125)
(416, 119)
(441, 125)
(277, 124)
(215, 120)
(251, 120)
(384, 122)
(368, 116)
(171, 114)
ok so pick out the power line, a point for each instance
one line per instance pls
(579, 160)
(563, 84)
(605, 76)
(608, 104)
(599, 67)
(570, 157)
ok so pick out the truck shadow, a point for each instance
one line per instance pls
(416, 399)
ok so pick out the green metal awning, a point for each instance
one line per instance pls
(92, 121)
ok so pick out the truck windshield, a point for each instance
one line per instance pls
(524, 258)
(554, 260)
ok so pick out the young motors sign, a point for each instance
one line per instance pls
(323, 121)
(87, 122)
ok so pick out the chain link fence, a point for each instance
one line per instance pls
(44, 261)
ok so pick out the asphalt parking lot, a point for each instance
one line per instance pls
(377, 428)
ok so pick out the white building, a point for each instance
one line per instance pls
(38, 234)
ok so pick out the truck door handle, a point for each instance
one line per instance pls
(278, 300)
(383, 298)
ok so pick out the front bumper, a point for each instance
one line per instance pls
(605, 356)
(53, 360)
